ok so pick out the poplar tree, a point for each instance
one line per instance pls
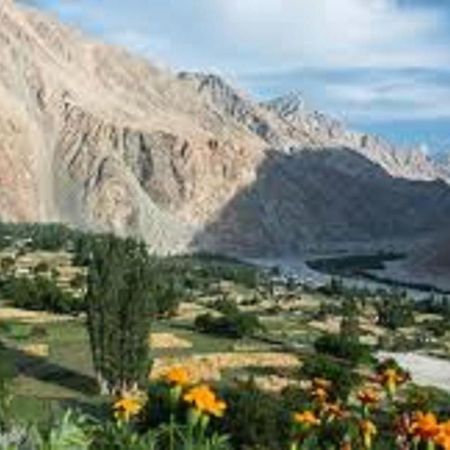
(119, 308)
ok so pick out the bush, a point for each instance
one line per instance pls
(255, 419)
(343, 347)
(236, 325)
(395, 312)
(42, 294)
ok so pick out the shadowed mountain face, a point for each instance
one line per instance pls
(325, 196)
(98, 138)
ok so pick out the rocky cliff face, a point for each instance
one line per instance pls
(95, 137)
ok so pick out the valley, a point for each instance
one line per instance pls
(187, 266)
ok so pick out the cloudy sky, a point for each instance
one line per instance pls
(381, 65)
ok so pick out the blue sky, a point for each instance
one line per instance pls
(380, 65)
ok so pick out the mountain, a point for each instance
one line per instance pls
(93, 136)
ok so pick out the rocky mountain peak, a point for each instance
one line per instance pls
(288, 105)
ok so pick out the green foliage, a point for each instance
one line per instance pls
(34, 236)
(395, 312)
(41, 294)
(255, 419)
(16, 330)
(6, 376)
(343, 347)
(235, 325)
(69, 433)
(226, 306)
(119, 312)
(353, 264)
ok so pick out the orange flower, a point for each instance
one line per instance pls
(425, 426)
(368, 397)
(205, 401)
(177, 376)
(368, 431)
(443, 437)
(307, 418)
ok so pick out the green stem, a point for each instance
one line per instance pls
(171, 432)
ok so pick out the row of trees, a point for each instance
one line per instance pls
(40, 294)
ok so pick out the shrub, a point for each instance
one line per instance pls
(395, 312)
(255, 419)
(343, 347)
(42, 294)
(236, 325)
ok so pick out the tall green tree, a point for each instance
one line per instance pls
(119, 312)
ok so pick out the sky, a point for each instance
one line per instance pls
(381, 66)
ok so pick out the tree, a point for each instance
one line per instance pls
(350, 320)
(395, 312)
(119, 312)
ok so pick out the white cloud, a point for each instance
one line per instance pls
(277, 39)
(401, 98)
(336, 33)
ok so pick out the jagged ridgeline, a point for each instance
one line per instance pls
(97, 138)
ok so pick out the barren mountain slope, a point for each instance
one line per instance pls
(95, 137)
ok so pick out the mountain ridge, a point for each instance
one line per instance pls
(99, 138)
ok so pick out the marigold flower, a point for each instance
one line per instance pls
(205, 401)
(391, 378)
(306, 418)
(368, 397)
(443, 437)
(368, 431)
(177, 376)
(127, 406)
(425, 426)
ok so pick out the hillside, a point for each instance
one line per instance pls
(98, 138)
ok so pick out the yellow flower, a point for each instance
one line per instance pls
(177, 376)
(425, 426)
(205, 401)
(368, 431)
(390, 379)
(128, 406)
(306, 418)
(368, 397)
